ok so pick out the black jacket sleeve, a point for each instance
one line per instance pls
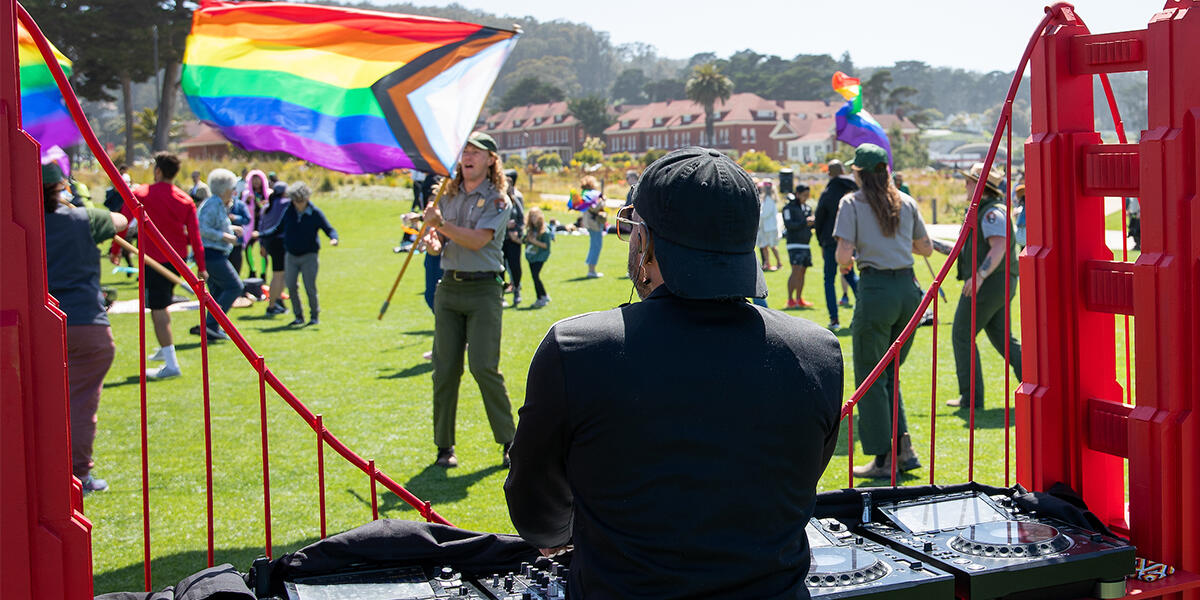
(540, 502)
(823, 220)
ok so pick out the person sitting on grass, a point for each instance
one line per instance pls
(298, 227)
(797, 221)
(537, 251)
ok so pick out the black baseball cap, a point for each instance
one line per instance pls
(702, 211)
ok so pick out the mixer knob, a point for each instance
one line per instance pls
(927, 547)
(835, 526)
(916, 565)
(525, 567)
(446, 574)
(508, 582)
(858, 540)
(527, 595)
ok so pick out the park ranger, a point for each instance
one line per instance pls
(468, 229)
(984, 278)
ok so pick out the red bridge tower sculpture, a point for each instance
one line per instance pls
(1071, 423)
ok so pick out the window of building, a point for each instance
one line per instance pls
(753, 136)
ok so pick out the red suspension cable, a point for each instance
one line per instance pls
(933, 387)
(374, 493)
(208, 466)
(140, 215)
(261, 367)
(149, 232)
(321, 471)
(1007, 290)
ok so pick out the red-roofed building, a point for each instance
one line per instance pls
(791, 130)
(535, 129)
(204, 143)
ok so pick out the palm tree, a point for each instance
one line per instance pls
(705, 87)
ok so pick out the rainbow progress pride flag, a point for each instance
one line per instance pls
(43, 113)
(854, 125)
(352, 90)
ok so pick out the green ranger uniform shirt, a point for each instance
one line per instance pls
(483, 208)
(993, 222)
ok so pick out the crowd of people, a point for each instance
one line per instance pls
(571, 450)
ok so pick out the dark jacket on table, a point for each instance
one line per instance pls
(827, 207)
(299, 229)
(677, 443)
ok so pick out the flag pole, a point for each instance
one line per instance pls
(154, 264)
(412, 250)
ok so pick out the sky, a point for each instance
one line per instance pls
(969, 34)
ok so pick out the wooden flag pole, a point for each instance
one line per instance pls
(154, 264)
(412, 250)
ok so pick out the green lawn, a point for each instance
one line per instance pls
(369, 381)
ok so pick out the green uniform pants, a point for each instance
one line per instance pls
(989, 316)
(468, 312)
(886, 301)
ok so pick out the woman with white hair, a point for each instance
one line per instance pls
(219, 235)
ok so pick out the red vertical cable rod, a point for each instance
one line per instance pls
(933, 289)
(139, 214)
(896, 417)
(1007, 290)
(321, 471)
(850, 448)
(374, 492)
(260, 365)
(208, 471)
(971, 348)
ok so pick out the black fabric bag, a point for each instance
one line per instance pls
(390, 542)
(221, 582)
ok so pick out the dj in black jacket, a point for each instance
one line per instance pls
(677, 442)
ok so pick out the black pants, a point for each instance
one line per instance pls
(990, 310)
(235, 259)
(535, 271)
(512, 260)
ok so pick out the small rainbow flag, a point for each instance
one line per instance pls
(854, 125)
(352, 90)
(43, 112)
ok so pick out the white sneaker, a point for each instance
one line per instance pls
(165, 372)
(158, 355)
(428, 355)
(540, 302)
(594, 275)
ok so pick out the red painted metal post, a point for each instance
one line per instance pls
(374, 491)
(261, 366)
(46, 552)
(850, 448)
(970, 281)
(208, 467)
(141, 215)
(1068, 353)
(933, 387)
(895, 417)
(321, 471)
(1007, 292)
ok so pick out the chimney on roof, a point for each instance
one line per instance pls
(779, 103)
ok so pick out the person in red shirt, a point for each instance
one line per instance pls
(174, 215)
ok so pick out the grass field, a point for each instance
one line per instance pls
(369, 381)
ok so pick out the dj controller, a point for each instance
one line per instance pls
(996, 552)
(968, 546)
(845, 565)
(415, 583)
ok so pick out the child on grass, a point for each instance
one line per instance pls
(537, 251)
